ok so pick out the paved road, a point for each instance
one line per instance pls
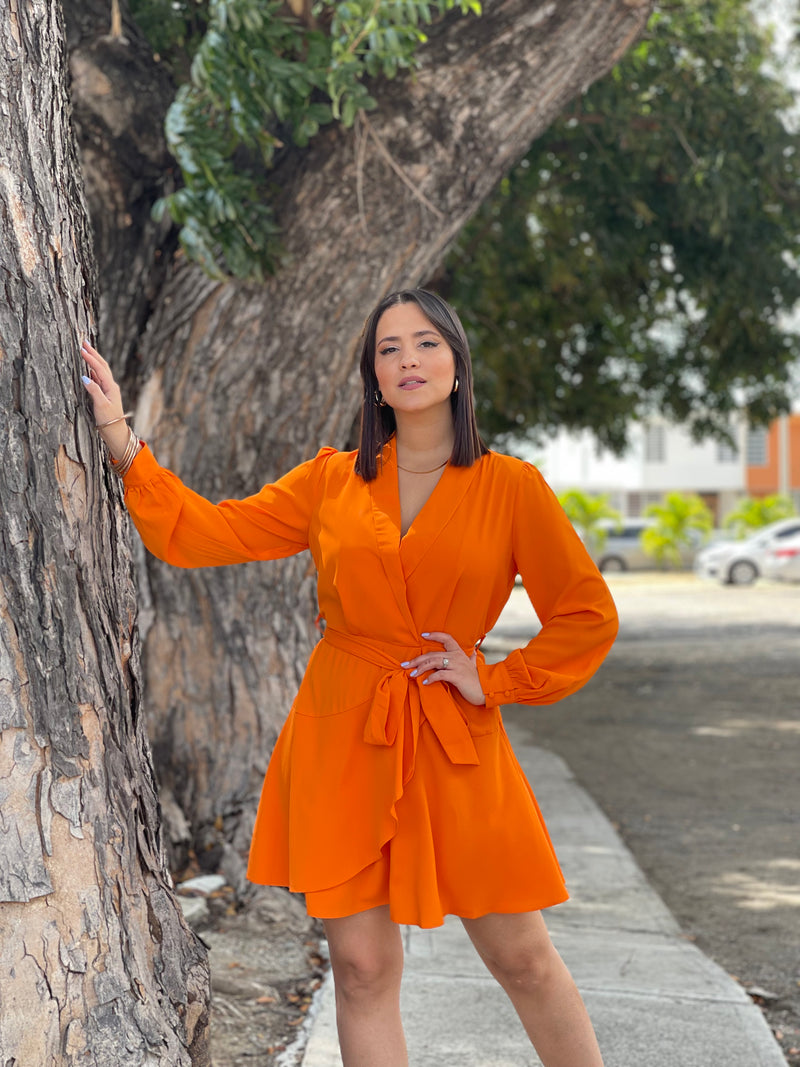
(689, 739)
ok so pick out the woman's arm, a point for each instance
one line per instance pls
(182, 527)
(573, 603)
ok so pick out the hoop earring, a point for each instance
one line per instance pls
(455, 387)
(379, 399)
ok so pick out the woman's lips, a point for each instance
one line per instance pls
(411, 383)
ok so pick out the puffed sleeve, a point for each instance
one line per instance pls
(573, 603)
(183, 528)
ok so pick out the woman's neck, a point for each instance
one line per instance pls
(423, 436)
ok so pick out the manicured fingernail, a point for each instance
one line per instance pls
(426, 635)
(405, 664)
(414, 674)
(425, 681)
(85, 380)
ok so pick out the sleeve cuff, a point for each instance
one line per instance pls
(145, 468)
(496, 683)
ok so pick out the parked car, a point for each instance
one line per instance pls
(741, 562)
(622, 549)
(783, 560)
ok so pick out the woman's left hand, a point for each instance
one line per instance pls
(452, 665)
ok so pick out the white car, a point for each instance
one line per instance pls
(783, 561)
(741, 562)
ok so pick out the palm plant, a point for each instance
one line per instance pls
(679, 519)
(588, 514)
(751, 513)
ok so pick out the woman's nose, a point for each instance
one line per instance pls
(409, 358)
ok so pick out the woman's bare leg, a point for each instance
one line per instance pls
(367, 959)
(519, 953)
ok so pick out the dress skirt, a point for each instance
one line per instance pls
(451, 856)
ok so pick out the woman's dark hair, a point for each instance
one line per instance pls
(378, 423)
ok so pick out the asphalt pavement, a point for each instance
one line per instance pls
(655, 999)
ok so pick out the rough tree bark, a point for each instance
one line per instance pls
(97, 966)
(236, 383)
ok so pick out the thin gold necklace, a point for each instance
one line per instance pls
(406, 469)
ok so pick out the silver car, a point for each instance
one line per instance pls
(783, 561)
(741, 562)
(622, 549)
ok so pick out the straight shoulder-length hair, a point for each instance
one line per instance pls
(378, 423)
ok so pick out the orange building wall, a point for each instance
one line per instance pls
(762, 481)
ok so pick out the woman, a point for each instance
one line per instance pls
(392, 796)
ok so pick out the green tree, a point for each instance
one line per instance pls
(259, 76)
(587, 512)
(751, 513)
(680, 520)
(645, 250)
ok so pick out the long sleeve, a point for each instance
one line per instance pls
(573, 603)
(184, 529)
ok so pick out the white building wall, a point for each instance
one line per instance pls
(576, 461)
(693, 467)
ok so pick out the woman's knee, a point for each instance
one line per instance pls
(366, 957)
(520, 955)
(524, 968)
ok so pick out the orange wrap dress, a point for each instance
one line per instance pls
(380, 789)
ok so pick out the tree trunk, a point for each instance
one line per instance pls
(238, 382)
(97, 966)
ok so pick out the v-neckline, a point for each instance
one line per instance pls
(395, 480)
(402, 555)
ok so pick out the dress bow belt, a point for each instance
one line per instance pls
(395, 691)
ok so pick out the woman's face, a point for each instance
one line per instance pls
(414, 365)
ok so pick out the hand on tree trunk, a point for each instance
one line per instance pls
(106, 402)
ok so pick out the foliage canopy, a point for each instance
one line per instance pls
(258, 76)
(645, 252)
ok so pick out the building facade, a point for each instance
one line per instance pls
(663, 458)
(773, 459)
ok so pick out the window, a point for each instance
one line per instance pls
(757, 453)
(726, 453)
(655, 444)
(790, 531)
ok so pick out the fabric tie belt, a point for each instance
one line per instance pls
(394, 690)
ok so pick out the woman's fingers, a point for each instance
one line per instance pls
(463, 674)
(99, 369)
(445, 639)
(451, 665)
(429, 661)
(100, 385)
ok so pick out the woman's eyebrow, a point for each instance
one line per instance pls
(417, 333)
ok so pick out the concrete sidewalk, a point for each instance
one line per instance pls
(654, 998)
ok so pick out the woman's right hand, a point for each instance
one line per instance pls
(106, 401)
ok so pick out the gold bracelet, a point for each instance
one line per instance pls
(102, 425)
(123, 465)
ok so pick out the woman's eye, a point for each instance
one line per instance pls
(386, 351)
(430, 344)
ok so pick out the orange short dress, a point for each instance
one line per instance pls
(382, 790)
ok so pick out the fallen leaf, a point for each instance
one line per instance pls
(265, 1000)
